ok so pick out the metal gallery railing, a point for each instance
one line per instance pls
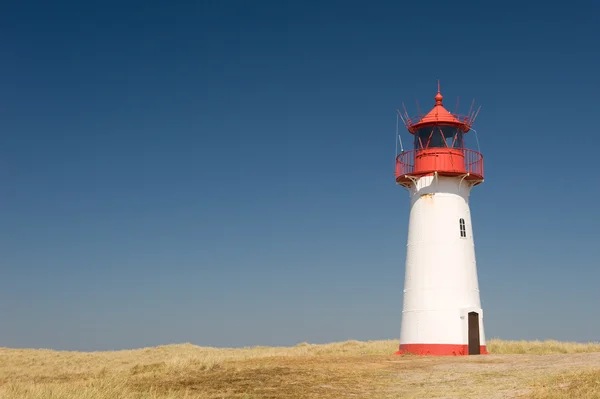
(451, 160)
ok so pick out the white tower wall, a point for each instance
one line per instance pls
(441, 285)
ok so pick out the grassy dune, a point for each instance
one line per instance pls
(499, 347)
(541, 369)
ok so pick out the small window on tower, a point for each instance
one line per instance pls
(463, 230)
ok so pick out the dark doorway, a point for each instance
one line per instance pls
(474, 344)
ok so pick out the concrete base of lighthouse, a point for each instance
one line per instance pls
(441, 313)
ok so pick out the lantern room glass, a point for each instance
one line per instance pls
(439, 137)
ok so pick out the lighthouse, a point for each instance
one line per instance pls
(441, 312)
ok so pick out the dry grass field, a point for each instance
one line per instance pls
(350, 369)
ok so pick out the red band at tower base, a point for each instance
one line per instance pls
(437, 350)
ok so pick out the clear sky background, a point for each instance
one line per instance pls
(222, 172)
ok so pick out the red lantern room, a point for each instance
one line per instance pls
(439, 146)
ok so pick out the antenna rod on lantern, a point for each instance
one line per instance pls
(396, 139)
(418, 108)
(475, 114)
(406, 114)
(401, 117)
(471, 108)
(398, 134)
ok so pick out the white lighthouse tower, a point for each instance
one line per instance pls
(441, 312)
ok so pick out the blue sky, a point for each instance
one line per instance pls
(221, 173)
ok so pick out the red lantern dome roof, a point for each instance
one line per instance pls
(440, 116)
